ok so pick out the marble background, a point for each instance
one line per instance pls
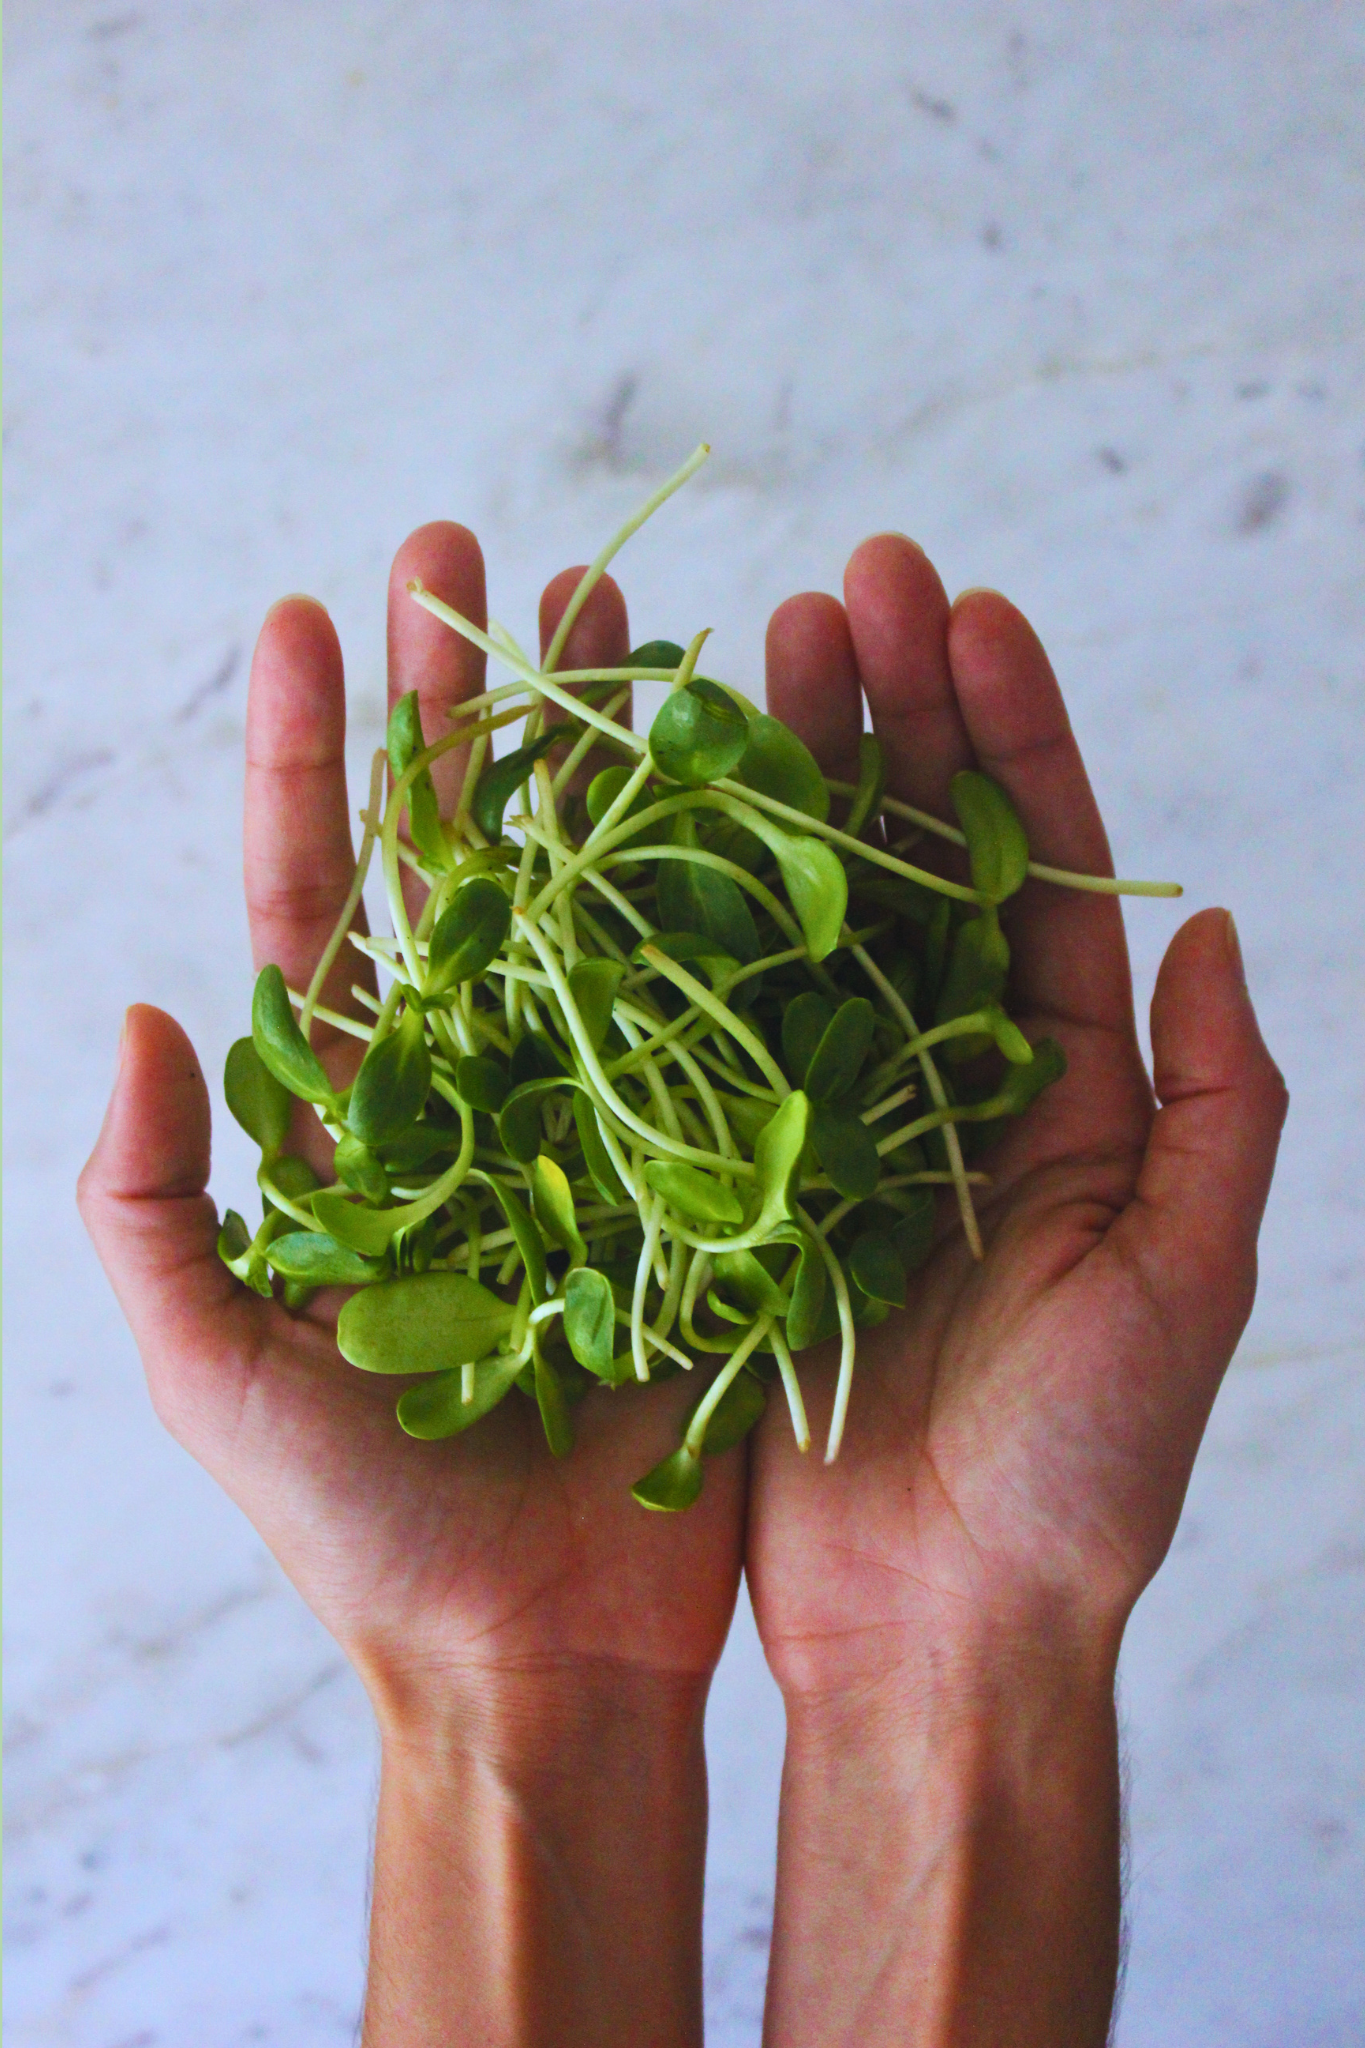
(1071, 292)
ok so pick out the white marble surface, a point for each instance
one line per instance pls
(1072, 293)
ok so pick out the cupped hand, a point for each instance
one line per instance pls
(1019, 1440)
(438, 1566)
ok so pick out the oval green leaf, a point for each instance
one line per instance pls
(404, 741)
(526, 1237)
(282, 1046)
(317, 1260)
(590, 1320)
(260, 1102)
(866, 801)
(977, 973)
(876, 1265)
(777, 1156)
(778, 764)
(552, 1201)
(698, 734)
(804, 1023)
(480, 1082)
(468, 934)
(519, 1120)
(501, 779)
(596, 1157)
(997, 846)
(693, 1193)
(838, 1059)
(428, 1323)
(674, 1483)
(390, 1091)
(360, 1168)
(438, 1409)
(656, 654)
(745, 1275)
(805, 1317)
(593, 984)
(553, 1403)
(846, 1149)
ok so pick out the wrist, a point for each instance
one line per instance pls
(539, 1859)
(962, 1804)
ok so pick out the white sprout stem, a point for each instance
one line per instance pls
(348, 908)
(697, 993)
(936, 1089)
(790, 1386)
(593, 574)
(654, 1212)
(1099, 885)
(721, 1384)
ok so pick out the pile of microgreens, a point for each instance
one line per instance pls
(665, 1074)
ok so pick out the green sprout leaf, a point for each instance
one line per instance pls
(360, 1168)
(593, 984)
(838, 1059)
(866, 802)
(745, 1275)
(428, 1323)
(596, 1157)
(693, 898)
(552, 1201)
(814, 878)
(481, 1082)
(876, 1266)
(261, 1104)
(777, 1158)
(500, 780)
(699, 734)
(404, 742)
(846, 1149)
(913, 1233)
(977, 973)
(805, 1317)
(656, 654)
(391, 1088)
(468, 934)
(529, 1242)
(317, 1260)
(243, 1255)
(693, 1193)
(777, 764)
(282, 1047)
(674, 1483)
(997, 847)
(554, 1406)
(590, 1318)
(438, 1409)
(804, 1023)
(520, 1123)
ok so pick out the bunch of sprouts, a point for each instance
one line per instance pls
(669, 1077)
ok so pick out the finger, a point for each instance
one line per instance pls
(424, 655)
(142, 1199)
(812, 675)
(898, 617)
(1071, 958)
(1191, 1229)
(599, 638)
(299, 859)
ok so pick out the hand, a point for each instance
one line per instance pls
(943, 1607)
(537, 1648)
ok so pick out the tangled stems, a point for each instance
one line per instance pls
(647, 1086)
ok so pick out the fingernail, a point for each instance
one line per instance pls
(1235, 949)
(297, 597)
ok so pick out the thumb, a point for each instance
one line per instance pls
(1192, 1227)
(141, 1197)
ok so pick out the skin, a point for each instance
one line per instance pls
(942, 1609)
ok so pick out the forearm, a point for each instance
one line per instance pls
(538, 1870)
(948, 1866)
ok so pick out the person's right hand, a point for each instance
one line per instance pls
(943, 1606)
(537, 1647)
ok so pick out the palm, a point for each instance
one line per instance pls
(1024, 1424)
